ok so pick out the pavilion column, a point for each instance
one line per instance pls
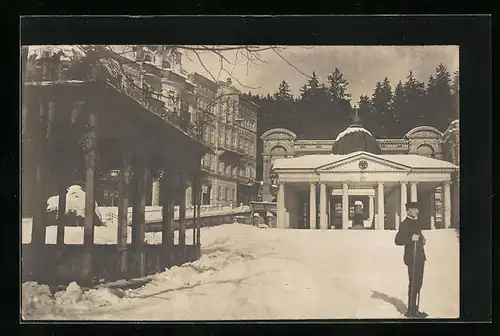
(281, 206)
(432, 207)
(123, 204)
(402, 203)
(371, 208)
(323, 218)
(413, 192)
(167, 235)
(455, 203)
(155, 193)
(345, 205)
(139, 214)
(312, 206)
(380, 206)
(90, 144)
(446, 205)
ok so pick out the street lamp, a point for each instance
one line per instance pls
(259, 196)
(114, 174)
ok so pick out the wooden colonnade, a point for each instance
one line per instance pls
(57, 114)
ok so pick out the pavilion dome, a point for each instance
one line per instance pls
(356, 138)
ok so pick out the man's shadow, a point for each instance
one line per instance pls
(397, 303)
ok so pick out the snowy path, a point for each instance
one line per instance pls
(251, 273)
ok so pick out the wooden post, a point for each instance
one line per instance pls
(29, 152)
(167, 236)
(61, 210)
(194, 198)
(40, 140)
(139, 214)
(198, 213)
(182, 216)
(124, 190)
(90, 139)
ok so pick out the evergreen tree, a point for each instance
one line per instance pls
(413, 112)
(337, 87)
(382, 120)
(283, 93)
(364, 110)
(439, 99)
(398, 105)
(311, 88)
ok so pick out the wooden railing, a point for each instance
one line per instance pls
(205, 210)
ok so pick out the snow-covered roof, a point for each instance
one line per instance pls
(319, 160)
(351, 129)
(68, 51)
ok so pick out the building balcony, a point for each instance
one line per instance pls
(51, 70)
(230, 151)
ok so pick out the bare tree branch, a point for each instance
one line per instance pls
(203, 65)
(290, 64)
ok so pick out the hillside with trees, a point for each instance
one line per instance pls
(322, 110)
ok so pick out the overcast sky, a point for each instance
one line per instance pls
(363, 66)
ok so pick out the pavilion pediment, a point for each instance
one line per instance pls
(364, 162)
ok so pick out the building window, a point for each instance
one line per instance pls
(225, 194)
(218, 193)
(166, 65)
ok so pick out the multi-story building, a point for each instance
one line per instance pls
(160, 75)
(229, 123)
(217, 112)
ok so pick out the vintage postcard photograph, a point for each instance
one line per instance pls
(240, 182)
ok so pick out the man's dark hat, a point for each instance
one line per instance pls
(412, 205)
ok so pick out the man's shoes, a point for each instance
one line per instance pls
(418, 315)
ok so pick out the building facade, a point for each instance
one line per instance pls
(229, 124)
(224, 120)
(317, 188)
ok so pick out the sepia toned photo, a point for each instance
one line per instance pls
(239, 182)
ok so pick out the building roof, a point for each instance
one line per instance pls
(318, 160)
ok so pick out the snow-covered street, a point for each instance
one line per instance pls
(251, 273)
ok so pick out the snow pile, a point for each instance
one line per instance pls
(72, 294)
(39, 303)
(75, 202)
(104, 296)
(36, 300)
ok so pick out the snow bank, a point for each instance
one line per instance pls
(249, 273)
(75, 202)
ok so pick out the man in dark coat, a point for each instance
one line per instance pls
(410, 236)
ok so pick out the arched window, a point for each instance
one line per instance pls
(166, 65)
(425, 150)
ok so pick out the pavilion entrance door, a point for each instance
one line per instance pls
(304, 209)
(336, 212)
